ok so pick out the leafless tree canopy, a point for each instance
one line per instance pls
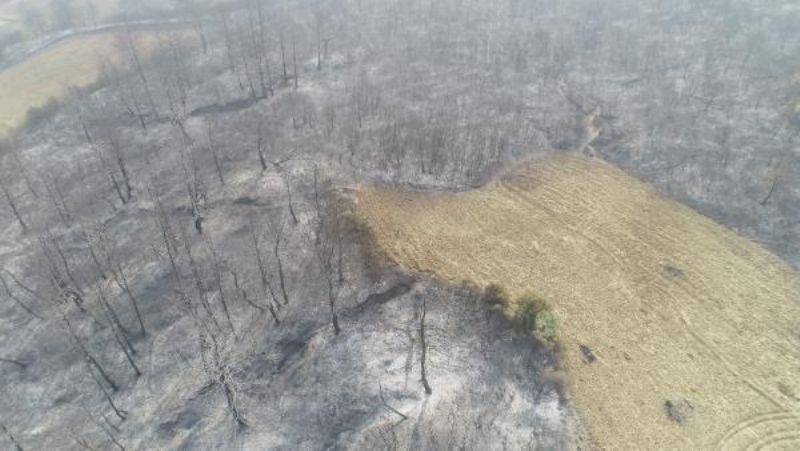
(178, 237)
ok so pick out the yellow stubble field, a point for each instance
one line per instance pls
(674, 306)
(49, 74)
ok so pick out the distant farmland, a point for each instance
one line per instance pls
(11, 11)
(676, 309)
(48, 75)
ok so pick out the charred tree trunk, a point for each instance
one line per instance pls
(90, 360)
(121, 414)
(114, 318)
(266, 285)
(219, 373)
(13, 205)
(13, 440)
(215, 156)
(325, 251)
(16, 299)
(121, 280)
(119, 334)
(283, 59)
(332, 303)
(111, 435)
(139, 69)
(260, 148)
(110, 173)
(318, 33)
(281, 277)
(123, 168)
(243, 295)
(289, 198)
(167, 234)
(294, 65)
(220, 287)
(26, 288)
(424, 345)
(57, 280)
(276, 226)
(24, 171)
(66, 265)
(96, 261)
(16, 363)
(57, 199)
(198, 281)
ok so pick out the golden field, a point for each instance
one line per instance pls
(673, 305)
(48, 75)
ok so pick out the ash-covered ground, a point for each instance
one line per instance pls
(203, 184)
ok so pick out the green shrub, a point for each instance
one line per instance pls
(546, 326)
(535, 315)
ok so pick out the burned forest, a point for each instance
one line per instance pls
(219, 241)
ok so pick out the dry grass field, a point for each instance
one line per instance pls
(674, 306)
(48, 75)
(75, 62)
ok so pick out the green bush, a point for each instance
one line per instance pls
(535, 315)
(546, 326)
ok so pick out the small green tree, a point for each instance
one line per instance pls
(546, 326)
(535, 315)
